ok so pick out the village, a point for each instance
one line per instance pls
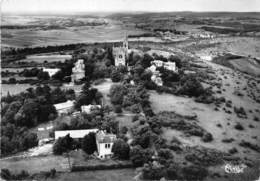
(104, 140)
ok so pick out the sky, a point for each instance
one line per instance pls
(74, 6)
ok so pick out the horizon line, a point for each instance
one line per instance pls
(114, 12)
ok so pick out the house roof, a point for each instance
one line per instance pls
(102, 137)
(64, 105)
(74, 133)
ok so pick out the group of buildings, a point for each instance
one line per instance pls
(78, 71)
(104, 141)
(156, 75)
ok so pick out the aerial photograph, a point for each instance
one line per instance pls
(130, 90)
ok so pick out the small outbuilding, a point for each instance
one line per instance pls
(65, 107)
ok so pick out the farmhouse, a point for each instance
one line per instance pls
(121, 53)
(167, 65)
(104, 144)
(65, 107)
(51, 71)
(88, 108)
(75, 134)
(78, 71)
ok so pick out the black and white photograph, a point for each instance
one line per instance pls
(130, 90)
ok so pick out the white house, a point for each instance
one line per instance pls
(170, 66)
(104, 144)
(75, 134)
(88, 108)
(51, 71)
(78, 71)
(167, 65)
(65, 107)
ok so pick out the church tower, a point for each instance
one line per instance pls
(121, 53)
(125, 46)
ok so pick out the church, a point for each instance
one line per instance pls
(120, 53)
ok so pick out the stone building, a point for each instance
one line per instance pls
(121, 53)
(78, 71)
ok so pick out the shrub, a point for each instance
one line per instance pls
(139, 156)
(252, 146)
(207, 137)
(239, 126)
(232, 150)
(194, 172)
(228, 140)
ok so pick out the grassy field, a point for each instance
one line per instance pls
(13, 88)
(101, 175)
(50, 58)
(35, 164)
(208, 119)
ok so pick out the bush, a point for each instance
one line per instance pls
(207, 137)
(139, 156)
(194, 172)
(239, 126)
(153, 173)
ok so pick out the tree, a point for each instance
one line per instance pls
(118, 109)
(116, 75)
(190, 86)
(30, 140)
(121, 149)
(5, 174)
(63, 144)
(27, 115)
(117, 93)
(89, 143)
(43, 75)
(146, 61)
